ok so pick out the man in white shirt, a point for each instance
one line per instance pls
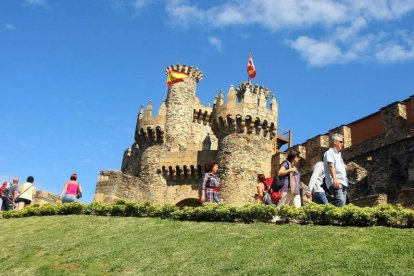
(335, 171)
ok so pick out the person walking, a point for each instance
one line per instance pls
(290, 178)
(315, 184)
(9, 194)
(210, 190)
(71, 190)
(26, 192)
(335, 171)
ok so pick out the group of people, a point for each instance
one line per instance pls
(329, 174)
(13, 197)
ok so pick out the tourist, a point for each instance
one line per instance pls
(2, 189)
(210, 191)
(335, 171)
(9, 194)
(290, 178)
(26, 192)
(260, 188)
(70, 192)
(315, 188)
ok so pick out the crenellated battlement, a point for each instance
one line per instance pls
(202, 114)
(257, 90)
(150, 135)
(191, 71)
(186, 172)
(150, 128)
(250, 115)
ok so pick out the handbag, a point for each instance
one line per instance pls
(79, 194)
(292, 181)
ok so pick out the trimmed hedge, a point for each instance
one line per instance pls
(350, 215)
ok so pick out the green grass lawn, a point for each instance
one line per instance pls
(92, 245)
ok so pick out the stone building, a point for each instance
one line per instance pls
(166, 162)
(379, 153)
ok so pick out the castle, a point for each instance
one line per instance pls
(166, 162)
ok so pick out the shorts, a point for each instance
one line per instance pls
(26, 201)
(68, 198)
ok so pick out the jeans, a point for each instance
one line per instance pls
(339, 196)
(68, 198)
(319, 198)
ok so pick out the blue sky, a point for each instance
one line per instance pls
(73, 74)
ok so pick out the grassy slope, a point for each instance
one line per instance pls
(100, 245)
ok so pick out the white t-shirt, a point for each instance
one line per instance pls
(27, 191)
(334, 157)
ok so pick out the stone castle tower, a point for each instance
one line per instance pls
(166, 162)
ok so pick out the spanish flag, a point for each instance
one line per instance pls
(251, 70)
(174, 77)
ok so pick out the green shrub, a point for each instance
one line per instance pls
(48, 210)
(163, 211)
(75, 208)
(390, 215)
(117, 210)
(98, 209)
(350, 215)
(291, 213)
(357, 216)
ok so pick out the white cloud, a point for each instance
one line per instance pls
(317, 53)
(343, 26)
(215, 42)
(139, 4)
(35, 3)
(395, 53)
(9, 27)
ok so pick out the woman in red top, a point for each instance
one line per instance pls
(70, 191)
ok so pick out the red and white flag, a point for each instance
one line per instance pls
(251, 71)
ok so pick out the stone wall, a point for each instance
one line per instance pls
(383, 164)
(242, 157)
(44, 197)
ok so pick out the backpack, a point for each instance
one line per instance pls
(272, 187)
(3, 189)
(6, 192)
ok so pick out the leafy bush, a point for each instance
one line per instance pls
(75, 208)
(98, 209)
(357, 216)
(391, 215)
(350, 215)
(48, 210)
(163, 211)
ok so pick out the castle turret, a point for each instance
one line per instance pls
(245, 130)
(180, 103)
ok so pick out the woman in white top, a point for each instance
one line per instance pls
(26, 192)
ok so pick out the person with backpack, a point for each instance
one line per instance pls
(2, 189)
(72, 190)
(9, 193)
(290, 178)
(26, 192)
(268, 190)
